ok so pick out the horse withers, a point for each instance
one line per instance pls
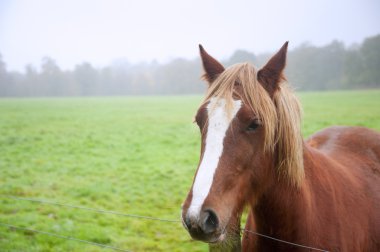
(322, 193)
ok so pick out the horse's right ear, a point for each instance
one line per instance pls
(271, 75)
(211, 66)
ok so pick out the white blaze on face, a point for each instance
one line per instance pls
(218, 123)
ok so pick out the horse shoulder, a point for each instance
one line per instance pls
(339, 141)
(351, 167)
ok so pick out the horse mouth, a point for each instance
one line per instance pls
(219, 236)
(211, 239)
(218, 239)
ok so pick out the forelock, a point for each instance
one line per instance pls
(240, 82)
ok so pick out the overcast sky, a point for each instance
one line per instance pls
(73, 31)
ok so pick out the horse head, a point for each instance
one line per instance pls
(248, 138)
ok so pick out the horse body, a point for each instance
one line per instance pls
(338, 205)
(319, 194)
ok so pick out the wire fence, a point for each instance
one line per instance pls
(279, 240)
(90, 209)
(102, 211)
(64, 237)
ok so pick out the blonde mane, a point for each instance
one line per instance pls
(280, 115)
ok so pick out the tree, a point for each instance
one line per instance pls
(51, 79)
(370, 52)
(31, 81)
(4, 78)
(86, 77)
(308, 68)
(241, 56)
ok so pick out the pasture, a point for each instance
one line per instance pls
(135, 155)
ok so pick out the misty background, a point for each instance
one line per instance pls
(93, 48)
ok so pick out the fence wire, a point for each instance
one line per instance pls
(89, 209)
(279, 240)
(63, 237)
(120, 214)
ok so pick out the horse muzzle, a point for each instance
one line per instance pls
(204, 227)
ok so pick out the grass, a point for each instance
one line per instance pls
(135, 155)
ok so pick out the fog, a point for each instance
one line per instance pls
(151, 47)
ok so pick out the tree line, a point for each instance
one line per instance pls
(333, 66)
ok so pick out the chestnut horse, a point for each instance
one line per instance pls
(323, 192)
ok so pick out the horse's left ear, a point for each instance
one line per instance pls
(211, 66)
(271, 75)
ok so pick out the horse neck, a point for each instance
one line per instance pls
(282, 205)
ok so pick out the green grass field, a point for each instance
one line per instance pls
(127, 154)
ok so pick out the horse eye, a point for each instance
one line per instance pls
(253, 125)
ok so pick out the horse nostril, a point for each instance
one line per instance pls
(210, 222)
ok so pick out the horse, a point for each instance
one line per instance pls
(322, 193)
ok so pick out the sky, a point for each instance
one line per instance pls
(102, 31)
